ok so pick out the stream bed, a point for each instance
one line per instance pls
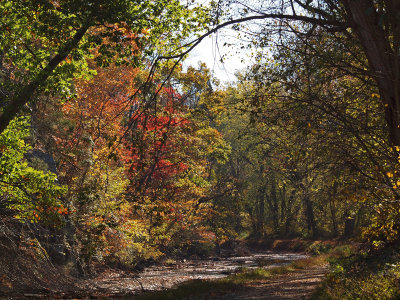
(169, 275)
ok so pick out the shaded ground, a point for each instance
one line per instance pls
(296, 285)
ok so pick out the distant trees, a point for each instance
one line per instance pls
(328, 87)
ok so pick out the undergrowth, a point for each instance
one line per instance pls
(362, 275)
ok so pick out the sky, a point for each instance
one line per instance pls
(210, 51)
(212, 48)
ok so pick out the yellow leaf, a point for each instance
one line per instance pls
(389, 174)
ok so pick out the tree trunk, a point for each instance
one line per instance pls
(289, 217)
(252, 218)
(273, 205)
(383, 61)
(333, 217)
(333, 209)
(349, 223)
(311, 224)
(261, 211)
(283, 204)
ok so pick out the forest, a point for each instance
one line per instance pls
(116, 156)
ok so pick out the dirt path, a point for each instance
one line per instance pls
(296, 285)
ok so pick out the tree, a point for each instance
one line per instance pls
(372, 25)
(44, 44)
(167, 159)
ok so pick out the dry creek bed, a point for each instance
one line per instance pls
(169, 275)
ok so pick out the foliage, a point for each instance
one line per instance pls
(135, 172)
(167, 159)
(33, 195)
(317, 96)
(46, 44)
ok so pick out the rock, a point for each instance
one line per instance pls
(41, 160)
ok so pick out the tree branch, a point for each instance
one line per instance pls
(26, 93)
(336, 26)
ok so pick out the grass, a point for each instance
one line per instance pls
(170, 262)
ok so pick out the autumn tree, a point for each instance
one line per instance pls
(44, 44)
(169, 152)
